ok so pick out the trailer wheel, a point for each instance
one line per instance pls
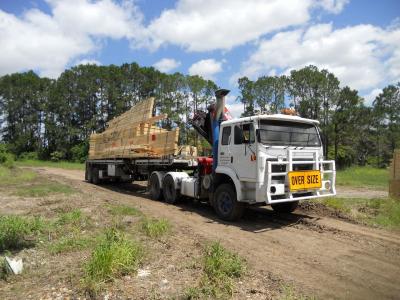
(286, 207)
(95, 176)
(171, 194)
(155, 187)
(88, 175)
(225, 203)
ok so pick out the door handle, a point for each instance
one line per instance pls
(231, 159)
(222, 153)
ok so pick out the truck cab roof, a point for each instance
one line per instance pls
(280, 117)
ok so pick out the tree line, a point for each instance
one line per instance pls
(353, 133)
(55, 117)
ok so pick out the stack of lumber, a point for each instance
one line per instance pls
(394, 175)
(134, 135)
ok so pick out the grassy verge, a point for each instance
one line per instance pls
(383, 212)
(113, 257)
(44, 163)
(289, 293)
(220, 268)
(155, 228)
(363, 177)
(44, 189)
(27, 183)
(123, 210)
(18, 232)
(15, 176)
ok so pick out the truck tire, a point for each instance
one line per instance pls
(89, 176)
(156, 192)
(286, 207)
(95, 176)
(225, 203)
(171, 194)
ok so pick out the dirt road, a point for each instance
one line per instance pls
(320, 256)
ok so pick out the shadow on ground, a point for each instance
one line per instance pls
(255, 219)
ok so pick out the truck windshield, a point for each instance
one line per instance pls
(284, 133)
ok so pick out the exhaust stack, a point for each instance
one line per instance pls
(217, 118)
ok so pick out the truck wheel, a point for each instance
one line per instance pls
(286, 207)
(89, 176)
(155, 187)
(171, 195)
(225, 203)
(95, 176)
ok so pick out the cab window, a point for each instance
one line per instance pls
(244, 134)
(226, 133)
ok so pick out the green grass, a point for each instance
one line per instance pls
(220, 268)
(72, 221)
(16, 232)
(15, 176)
(123, 210)
(288, 293)
(45, 163)
(113, 257)
(383, 212)
(70, 243)
(44, 189)
(363, 177)
(155, 228)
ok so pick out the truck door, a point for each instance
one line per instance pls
(224, 153)
(243, 151)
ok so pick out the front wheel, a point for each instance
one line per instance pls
(286, 207)
(225, 203)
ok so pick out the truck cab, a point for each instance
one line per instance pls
(272, 160)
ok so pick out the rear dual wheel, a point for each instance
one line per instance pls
(155, 190)
(171, 194)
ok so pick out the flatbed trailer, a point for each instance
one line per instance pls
(128, 170)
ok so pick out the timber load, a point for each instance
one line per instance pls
(135, 135)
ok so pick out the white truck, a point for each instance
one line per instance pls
(272, 160)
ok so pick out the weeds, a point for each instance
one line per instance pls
(114, 256)
(123, 210)
(220, 267)
(14, 231)
(155, 228)
(44, 189)
(15, 176)
(70, 243)
(288, 293)
(383, 212)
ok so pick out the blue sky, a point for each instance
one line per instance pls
(222, 40)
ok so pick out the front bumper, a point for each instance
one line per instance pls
(277, 187)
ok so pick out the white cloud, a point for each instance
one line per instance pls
(370, 97)
(223, 24)
(206, 68)
(234, 107)
(333, 6)
(167, 64)
(49, 42)
(362, 56)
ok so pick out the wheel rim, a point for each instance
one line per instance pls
(225, 203)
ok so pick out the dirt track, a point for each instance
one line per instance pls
(322, 256)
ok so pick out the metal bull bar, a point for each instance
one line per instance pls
(277, 190)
